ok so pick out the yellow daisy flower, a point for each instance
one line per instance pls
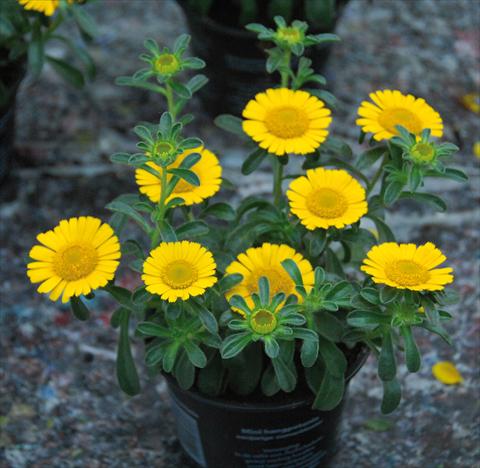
(392, 108)
(76, 257)
(407, 266)
(47, 7)
(267, 261)
(178, 270)
(447, 373)
(286, 121)
(327, 197)
(207, 169)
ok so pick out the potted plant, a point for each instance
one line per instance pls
(259, 314)
(236, 56)
(26, 26)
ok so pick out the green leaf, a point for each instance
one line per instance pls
(221, 211)
(195, 354)
(387, 367)
(184, 371)
(392, 192)
(450, 173)
(180, 89)
(332, 263)
(286, 379)
(269, 383)
(84, 20)
(427, 198)
(153, 329)
(132, 247)
(196, 83)
(392, 394)
(329, 326)
(127, 210)
(79, 309)
(370, 295)
(207, 318)
(330, 393)
(378, 424)
(230, 123)
(116, 318)
(412, 355)
(253, 160)
(366, 318)
(228, 282)
(126, 371)
(121, 295)
(69, 73)
(370, 157)
(272, 348)
(334, 359)
(166, 231)
(185, 174)
(154, 354)
(309, 352)
(388, 294)
(170, 356)
(293, 271)
(385, 234)
(234, 344)
(192, 229)
(36, 51)
(210, 378)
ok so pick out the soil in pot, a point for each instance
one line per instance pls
(281, 431)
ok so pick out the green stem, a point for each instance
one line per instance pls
(170, 100)
(277, 181)
(285, 74)
(163, 194)
(377, 176)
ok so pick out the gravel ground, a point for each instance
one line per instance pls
(59, 403)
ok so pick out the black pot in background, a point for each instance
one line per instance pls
(11, 76)
(236, 61)
(282, 431)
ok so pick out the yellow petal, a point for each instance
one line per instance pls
(447, 373)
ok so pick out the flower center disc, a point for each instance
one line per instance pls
(289, 34)
(286, 122)
(279, 281)
(180, 274)
(326, 203)
(75, 262)
(263, 321)
(407, 273)
(423, 152)
(166, 63)
(390, 118)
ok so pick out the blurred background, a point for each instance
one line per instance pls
(59, 401)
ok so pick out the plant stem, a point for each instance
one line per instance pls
(170, 100)
(377, 175)
(285, 73)
(277, 180)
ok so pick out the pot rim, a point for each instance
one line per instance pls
(221, 402)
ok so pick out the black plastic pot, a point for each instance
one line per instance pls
(11, 76)
(279, 432)
(235, 60)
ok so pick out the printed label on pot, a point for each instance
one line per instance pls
(307, 454)
(188, 431)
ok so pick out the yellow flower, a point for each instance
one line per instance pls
(47, 7)
(76, 257)
(471, 102)
(207, 169)
(476, 149)
(167, 64)
(267, 261)
(327, 197)
(407, 266)
(447, 373)
(178, 270)
(285, 121)
(392, 108)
